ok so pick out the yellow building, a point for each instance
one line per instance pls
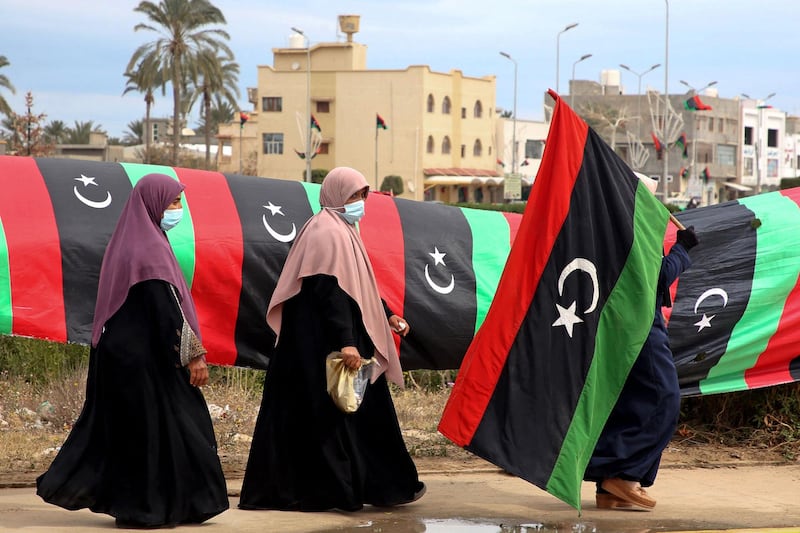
(439, 125)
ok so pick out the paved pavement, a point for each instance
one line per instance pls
(753, 498)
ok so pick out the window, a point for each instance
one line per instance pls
(720, 125)
(323, 107)
(477, 111)
(772, 138)
(748, 135)
(463, 112)
(462, 194)
(429, 147)
(431, 103)
(463, 151)
(534, 149)
(323, 148)
(272, 103)
(710, 123)
(477, 148)
(446, 145)
(446, 105)
(748, 166)
(726, 155)
(273, 143)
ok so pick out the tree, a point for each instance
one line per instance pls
(392, 183)
(55, 132)
(135, 133)
(28, 138)
(183, 31)
(6, 84)
(80, 133)
(145, 77)
(218, 76)
(605, 120)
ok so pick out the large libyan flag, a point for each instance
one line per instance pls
(573, 308)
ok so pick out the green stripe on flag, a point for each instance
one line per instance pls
(774, 277)
(6, 311)
(312, 192)
(621, 332)
(181, 237)
(491, 243)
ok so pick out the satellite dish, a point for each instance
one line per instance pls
(411, 186)
(295, 65)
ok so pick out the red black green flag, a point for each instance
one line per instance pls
(315, 124)
(380, 123)
(695, 104)
(544, 371)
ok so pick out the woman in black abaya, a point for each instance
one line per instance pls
(306, 454)
(143, 449)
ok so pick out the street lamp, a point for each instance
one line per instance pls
(665, 177)
(759, 106)
(694, 128)
(639, 91)
(558, 38)
(572, 81)
(308, 102)
(513, 118)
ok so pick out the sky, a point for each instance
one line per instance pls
(72, 55)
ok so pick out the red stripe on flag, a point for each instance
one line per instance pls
(382, 233)
(772, 366)
(514, 220)
(219, 251)
(34, 253)
(544, 216)
(669, 239)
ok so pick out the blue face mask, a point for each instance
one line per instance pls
(171, 218)
(353, 212)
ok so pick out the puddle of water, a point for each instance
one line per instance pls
(458, 525)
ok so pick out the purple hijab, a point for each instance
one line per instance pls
(139, 251)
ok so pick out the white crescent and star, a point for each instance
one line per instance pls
(91, 203)
(705, 322)
(280, 237)
(438, 259)
(566, 315)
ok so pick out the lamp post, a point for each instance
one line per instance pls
(513, 118)
(572, 81)
(639, 91)
(694, 127)
(759, 107)
(308, 102)
(558, 38)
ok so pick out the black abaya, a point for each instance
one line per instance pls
(143, 449)
(306, 454)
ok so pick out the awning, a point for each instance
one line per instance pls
(737, 186)
(463, 180)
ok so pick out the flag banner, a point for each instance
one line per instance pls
(695, 104)
(681, 143)
(315, 124)
(380, 123)
(568, 318)
(56, 216)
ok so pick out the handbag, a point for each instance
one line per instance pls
(346, 386)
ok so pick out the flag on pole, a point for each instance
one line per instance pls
(500, 162)
(544, 371)
(380, 123)
(315, 124)
(681, 143)
(695, 104)
(657, 145)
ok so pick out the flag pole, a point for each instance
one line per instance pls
(676, 222)
(376, 156)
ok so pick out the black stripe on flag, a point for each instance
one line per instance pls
(87, 199)
(271, 212)
(712, 295)
(440, 301)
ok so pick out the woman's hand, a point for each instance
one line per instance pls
(351, 358)
(198, 371)
(399, 325)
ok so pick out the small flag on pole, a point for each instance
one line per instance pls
(681, 143)
(380, 123)
(243, 117)
(500, 162)
(695, 104)
(656, 144)
(315, 124)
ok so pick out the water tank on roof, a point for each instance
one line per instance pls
(610, 77)
(297, 41)
(713, 92)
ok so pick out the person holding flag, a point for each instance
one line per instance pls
(628, 453)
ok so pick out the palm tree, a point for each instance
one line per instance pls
(145, 78)
(5, 83)
(55, 131)
(80, 133)
(135, 134)
(183, 31)
(218, 77)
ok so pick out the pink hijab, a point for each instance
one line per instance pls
(139, 251)
(328, 245)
